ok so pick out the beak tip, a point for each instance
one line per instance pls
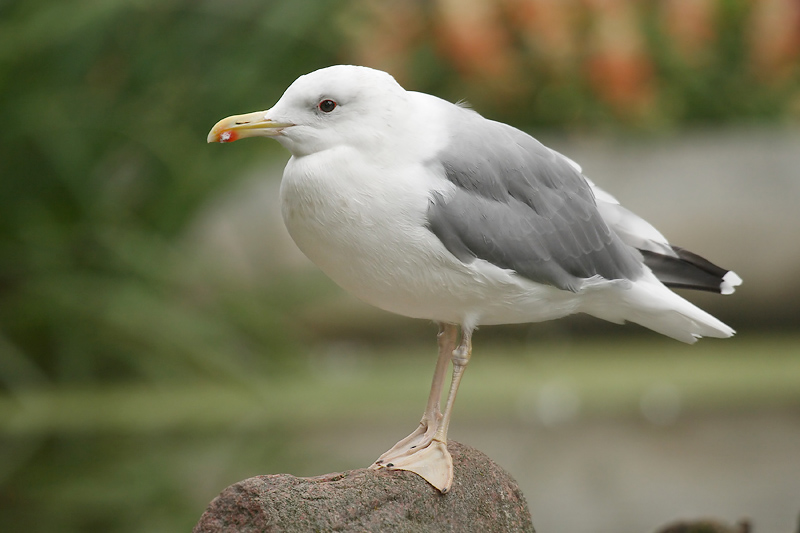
(221, 136)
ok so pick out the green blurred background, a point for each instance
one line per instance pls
(160, 338)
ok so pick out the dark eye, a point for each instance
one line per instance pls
(326, 106)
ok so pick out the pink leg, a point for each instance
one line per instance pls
(425, 450)
(461, 357)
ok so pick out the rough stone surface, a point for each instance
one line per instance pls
(484, 498)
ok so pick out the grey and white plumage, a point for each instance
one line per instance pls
(523, 207)
(427, 209)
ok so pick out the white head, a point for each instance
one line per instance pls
(330, 107)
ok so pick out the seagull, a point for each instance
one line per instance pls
(425, 208)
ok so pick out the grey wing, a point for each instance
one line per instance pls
(523, 207)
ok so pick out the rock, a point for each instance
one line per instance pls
(484, 498)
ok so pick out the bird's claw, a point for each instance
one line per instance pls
(432, 462)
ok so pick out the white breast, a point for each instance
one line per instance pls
(364, 227)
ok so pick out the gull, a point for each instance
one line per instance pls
(427, 209)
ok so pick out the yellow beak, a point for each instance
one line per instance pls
(249, 125)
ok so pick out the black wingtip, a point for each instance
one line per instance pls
(688, 270)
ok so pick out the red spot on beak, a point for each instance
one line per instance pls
(228, 136)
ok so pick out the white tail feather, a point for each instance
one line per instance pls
(649, 303)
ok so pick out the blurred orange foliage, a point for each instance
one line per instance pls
(605, 48)
(775, 38)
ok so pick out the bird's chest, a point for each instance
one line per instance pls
(361, 224)
(334, 204)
